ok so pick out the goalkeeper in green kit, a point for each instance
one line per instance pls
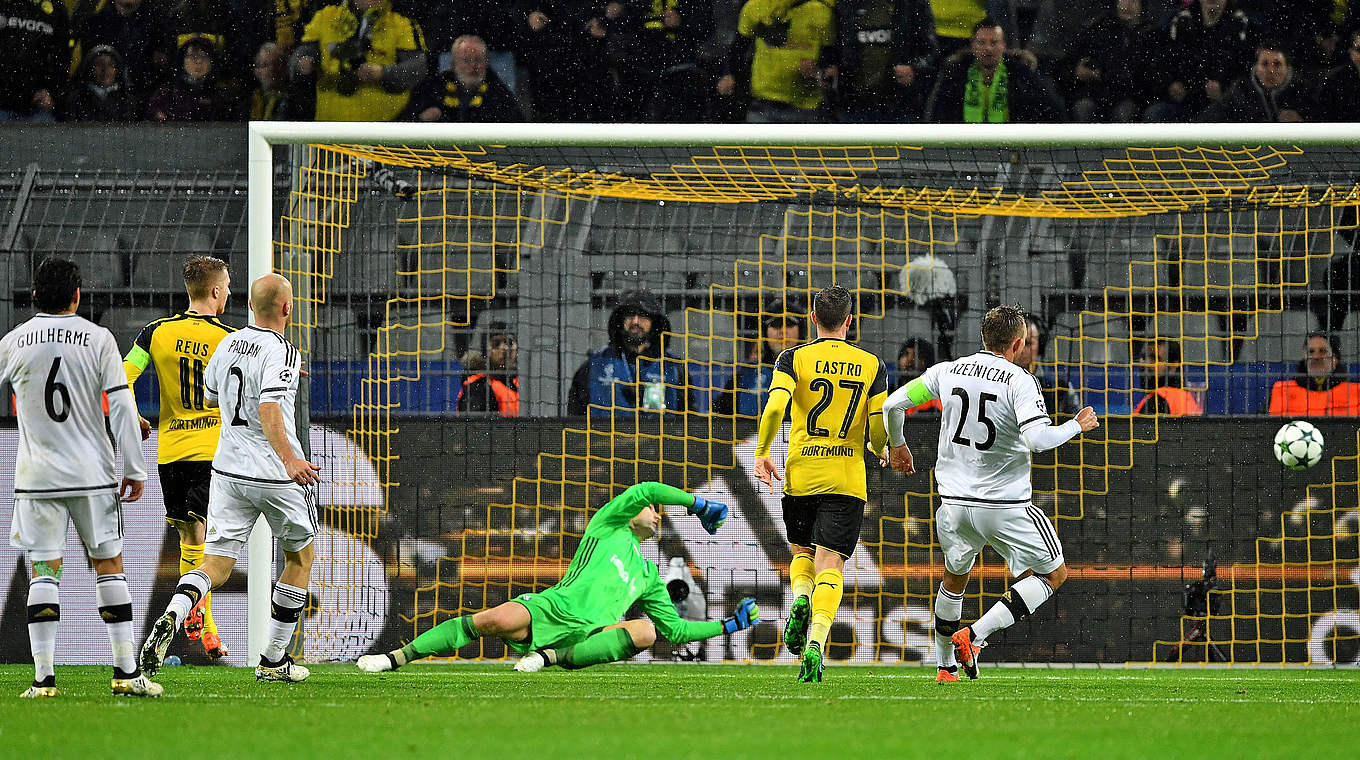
(575, 624)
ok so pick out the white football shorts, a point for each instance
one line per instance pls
(1022, 535)
(234, 506)
(38, 526)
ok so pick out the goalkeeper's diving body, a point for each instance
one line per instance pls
(575, 624)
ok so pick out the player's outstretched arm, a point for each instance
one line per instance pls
(1045, 437)
(627, 505)
(656, 604)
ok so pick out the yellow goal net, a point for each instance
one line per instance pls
(439, 271)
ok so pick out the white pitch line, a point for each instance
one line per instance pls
(987, 676)
(903, 698)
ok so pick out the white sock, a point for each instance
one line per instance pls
(1019, 601)
(192, 586)
(283, 618)
(44, 615)
(115, 607)
(948, 609)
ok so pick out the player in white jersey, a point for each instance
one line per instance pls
(993, 417)
(60, 367)
(258, 470)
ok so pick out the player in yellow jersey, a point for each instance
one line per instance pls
(837, 391)
(179, 347)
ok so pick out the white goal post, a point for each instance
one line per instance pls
(264, 136)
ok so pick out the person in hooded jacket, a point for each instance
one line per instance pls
(633, 372)
(102, 90)
(193, 94)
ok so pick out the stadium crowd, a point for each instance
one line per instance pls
(681, 60)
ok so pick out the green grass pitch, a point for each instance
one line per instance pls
(677, 711)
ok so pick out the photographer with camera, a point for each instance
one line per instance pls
(366, 59)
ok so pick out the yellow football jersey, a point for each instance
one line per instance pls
(179, 347)
(836, 391)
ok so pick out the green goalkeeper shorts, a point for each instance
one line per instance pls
(551, 625)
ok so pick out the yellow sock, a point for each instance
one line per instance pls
(190, 557)
(801, 573)
(826, 599)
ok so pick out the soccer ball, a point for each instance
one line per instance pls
(1298, 445)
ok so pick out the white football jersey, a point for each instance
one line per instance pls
(987, 401)
(59, 365)
(251, 366)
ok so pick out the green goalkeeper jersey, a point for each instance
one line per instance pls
(609, 573)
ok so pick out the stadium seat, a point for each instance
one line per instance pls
(1201, 335)
(710, 336)
(95, 251)
(1089, 338)
(1349, 337)
(1279, 337)
(337, 336)
(430, 334)
(369, 263)
(885, 335)
(126, 323)
(657, 273)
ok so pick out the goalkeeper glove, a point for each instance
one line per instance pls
(712, 514)
(746, 615)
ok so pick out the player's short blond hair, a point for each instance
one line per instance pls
(201, 273)
(1002, 325)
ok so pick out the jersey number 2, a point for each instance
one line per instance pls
(982, 417)
(240, 396)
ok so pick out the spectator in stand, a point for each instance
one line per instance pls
(775, 57)
(469, 92)
(193, 94)
(496, 23)
(956, 19)
(1103, 76)
(915, 357)
(269, 100)
(565, 52)
(366, 59)
(140, 34)
(101, 90)
(1338, 95)
(1057, 26)
(1161, 378)
(633, 372)
(255, 22)
(655, 57)
(1311, 30)
(1318, 390)
(987, 85)
(491, 382)
(745, 392)
(1273, 91)
(1207, 47)
(36, 38)
(885, 55)
(1060, 398)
